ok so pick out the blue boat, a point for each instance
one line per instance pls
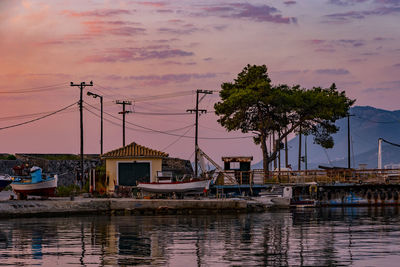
(35, 184)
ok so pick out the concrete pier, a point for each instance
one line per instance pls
(123, 206)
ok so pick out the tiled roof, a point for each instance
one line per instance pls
(134, 150)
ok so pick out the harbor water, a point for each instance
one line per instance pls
(367, 236)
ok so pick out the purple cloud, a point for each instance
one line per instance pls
(165, 11)
(379, 89)
(97, 13)
(396, 65)
(382, 39)
(259, 13)
(354, 43)
(332, 71)
(127, 31)
(164, 79)
(170, 62)
(208, 59)
(357, 60)
(183, 30)
(379, 11)
(137, 54)
(288, 3)
(346, 2)
(325, 50)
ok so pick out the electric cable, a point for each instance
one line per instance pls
(179, 138)
(40, 118)
(36, 89)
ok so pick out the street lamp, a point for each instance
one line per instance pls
(101, 127)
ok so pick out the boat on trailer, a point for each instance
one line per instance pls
(36, 184)
(193, 186)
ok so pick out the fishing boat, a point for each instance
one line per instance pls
(5, 180)
(192, 186)
(36, 184)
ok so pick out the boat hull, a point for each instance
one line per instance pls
(44, 188)
(175, 187)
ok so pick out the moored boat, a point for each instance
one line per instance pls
(35, 184)
(276, 197)
(175, 187)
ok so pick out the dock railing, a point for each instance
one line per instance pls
(331, 176)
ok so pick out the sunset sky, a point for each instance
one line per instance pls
(157, 53)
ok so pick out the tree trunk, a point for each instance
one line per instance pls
(265, 155)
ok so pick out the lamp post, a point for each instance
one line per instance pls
(101, 116)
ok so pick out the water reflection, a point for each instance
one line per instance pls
(334, 236)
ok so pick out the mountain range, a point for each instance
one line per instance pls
(367, 125)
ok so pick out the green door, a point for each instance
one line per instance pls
(129, 173)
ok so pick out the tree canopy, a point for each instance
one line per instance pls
(252, 104)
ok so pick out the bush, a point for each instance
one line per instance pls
(11, 157)
(66, 191)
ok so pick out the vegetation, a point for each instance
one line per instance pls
(7, 157)
(66, 191)
(252, 104)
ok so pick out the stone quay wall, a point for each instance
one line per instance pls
(65, 169)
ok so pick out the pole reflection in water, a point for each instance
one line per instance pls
(334, 236)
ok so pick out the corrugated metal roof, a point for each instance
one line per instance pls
(134, 150)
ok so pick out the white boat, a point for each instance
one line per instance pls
(175, 187)
(276, 197)
(34, 185)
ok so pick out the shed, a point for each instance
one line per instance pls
(133, 163)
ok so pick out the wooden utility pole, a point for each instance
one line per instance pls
(197, 110)
(81, 86)
(123, 112)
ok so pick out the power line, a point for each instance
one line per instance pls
(171, 134)
(35, 89)
(10, 118)
(179, 138)
(133, 129)
(160, 113)
(30, 121)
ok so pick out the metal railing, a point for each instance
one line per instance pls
(332, 176)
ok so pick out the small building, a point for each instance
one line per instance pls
(237, 163)
(133, 163)
(241, 167)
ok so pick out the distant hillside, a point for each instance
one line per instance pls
(366, 126)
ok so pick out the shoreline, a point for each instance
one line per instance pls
(124, 206)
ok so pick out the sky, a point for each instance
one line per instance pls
(158, 53)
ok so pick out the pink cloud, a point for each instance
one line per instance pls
(137, 54)
(259, 13)
(152, 4)
(153, 80)
(97, 13)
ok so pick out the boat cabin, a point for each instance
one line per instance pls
(126, 166)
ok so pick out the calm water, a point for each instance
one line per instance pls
(344, 237)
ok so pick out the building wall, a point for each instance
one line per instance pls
(112, 169)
